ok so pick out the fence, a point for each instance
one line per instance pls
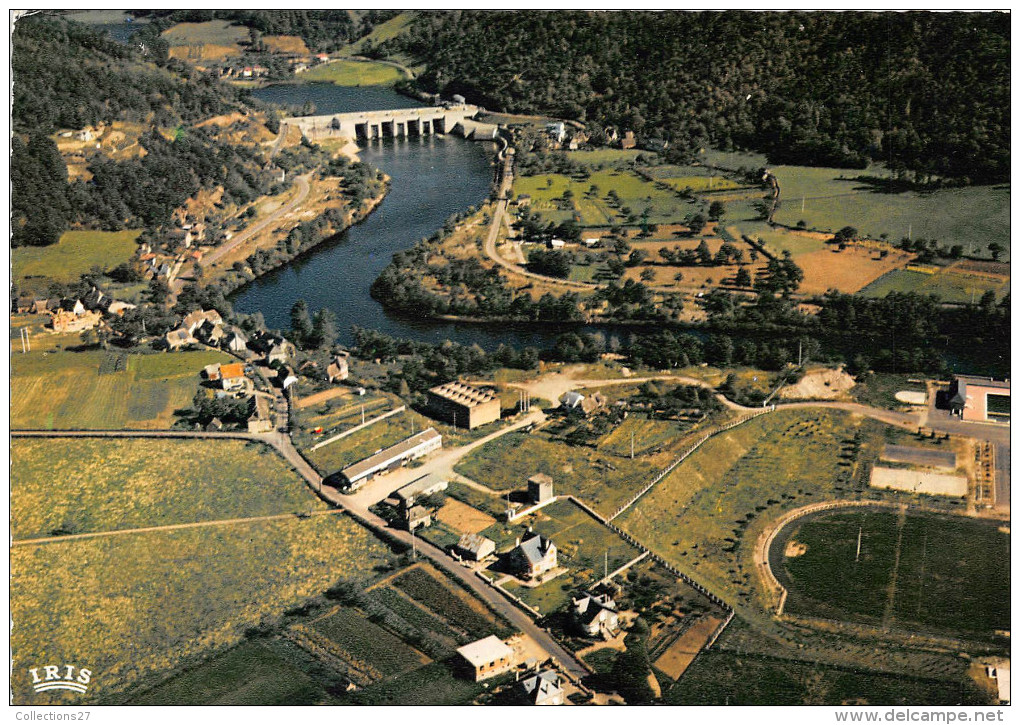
(680, 459)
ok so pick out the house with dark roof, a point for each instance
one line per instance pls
(475, 547)
(542, 688)
(595, 614)
(533, 557)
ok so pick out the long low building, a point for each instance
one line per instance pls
(419, 488)
(358, 474)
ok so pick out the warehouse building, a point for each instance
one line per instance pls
(358, 474)
(463, 406)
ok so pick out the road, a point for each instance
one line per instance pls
(219, 252)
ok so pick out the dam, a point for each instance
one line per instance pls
(396, 123)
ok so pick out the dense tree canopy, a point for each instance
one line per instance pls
(927, 92)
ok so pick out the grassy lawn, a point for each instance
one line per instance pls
(601, 480)
(130, 483)
(33, 268)
(101, 389)
(723, 677)
(135, 605)
(352, 73)
(705, 516)
(945, 573)
(633, 191)
(879, 389)
(582, 544)
(950, 286)
(971, 216)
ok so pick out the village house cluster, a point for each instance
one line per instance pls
(74, 314)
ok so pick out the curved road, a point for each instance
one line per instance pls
(217, 254)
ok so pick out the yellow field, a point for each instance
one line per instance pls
(59, 389)
(130, 606)
(285, 44)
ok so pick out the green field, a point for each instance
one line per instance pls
(582, 545)
(634, 192)
(600, 157)
(971, 216)
(948, 285)
(705, 516)
(217, 32)
(136, 605)
(949, 574)
(381, 33)
(723, 677)
(700, 184)
(778, 239)
(352, 73)
(100, 389)
(130, 483)
(440, 595)
(34, 268)
(645, 435)
(508, 462)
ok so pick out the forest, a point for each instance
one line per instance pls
(88, 79)
(925, 93)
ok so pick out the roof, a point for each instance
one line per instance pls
(536, 548)
(485, 651)
(258, 408)
(588, 606)
(384, 457)
(418, 485)
(542, 686)
(541, 479)
(473, 543)
(571, 399)
(965, 380)
(232, 370)
(417, 512)
(467, 395)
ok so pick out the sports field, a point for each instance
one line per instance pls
(942, 573)
(99, 389)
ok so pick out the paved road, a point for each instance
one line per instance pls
(219, 252)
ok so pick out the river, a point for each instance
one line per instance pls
(431, 178)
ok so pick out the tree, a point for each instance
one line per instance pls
(996, 249)
(324, 328)
(743, 278)
(300, 323)
(636, 257)
(695, 222)
(159, 292)
(715, 210)
(648, 274)
(956, 251)
(704, 254)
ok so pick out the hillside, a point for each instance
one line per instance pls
(926, 92)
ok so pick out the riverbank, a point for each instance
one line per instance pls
(234, 280)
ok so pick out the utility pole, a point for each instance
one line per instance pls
(606, 577)
(800, 353)
(802, 199)
(860, 531)
(414, 544)
(632, 445)
(22, 335)
(363, 414)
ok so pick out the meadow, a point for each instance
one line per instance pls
(210, 40)
(644, 434)
(601, 480)
(635, 193)
(352, 73)
(77, 252)
(101, 389)
(110, 484)
(704, 517)
(949, 285)
(829, 199)
(942, 573)
(134, 606)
